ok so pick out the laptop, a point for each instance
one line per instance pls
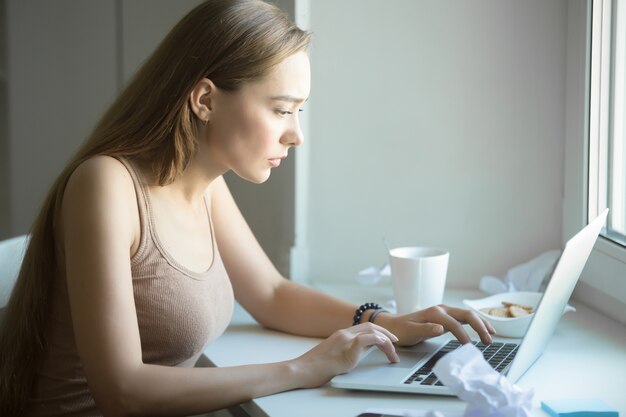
(413, 374)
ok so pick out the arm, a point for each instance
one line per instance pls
(272, 300)
(278, 303)
(99, 227)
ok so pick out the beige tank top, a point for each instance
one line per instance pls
(179, 312)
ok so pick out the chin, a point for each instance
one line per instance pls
(255, 177)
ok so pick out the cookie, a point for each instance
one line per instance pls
(509, 304)
(498, 312)
(517, 311)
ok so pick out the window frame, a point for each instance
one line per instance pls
(601, 107)
(603, 281)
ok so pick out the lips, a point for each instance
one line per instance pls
(275, 162)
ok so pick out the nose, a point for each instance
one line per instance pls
(293, 135)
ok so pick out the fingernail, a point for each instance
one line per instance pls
(394, 337)
(437, 329)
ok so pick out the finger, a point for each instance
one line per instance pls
(481, 326)
(381, 342)
(491, 329)
(427, 329)
(369, 327)
(488, 325)
(439, 315)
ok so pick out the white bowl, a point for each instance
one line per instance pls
(509, 326)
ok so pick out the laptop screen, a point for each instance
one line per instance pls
(558, 291)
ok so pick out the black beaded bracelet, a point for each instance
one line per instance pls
(362, 309)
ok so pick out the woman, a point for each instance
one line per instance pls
(139, 248)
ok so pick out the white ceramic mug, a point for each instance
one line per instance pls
(418, 277)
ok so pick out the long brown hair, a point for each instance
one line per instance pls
(228, 41)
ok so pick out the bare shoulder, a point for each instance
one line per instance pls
(100, 168)
(100, 191)
(100, 174)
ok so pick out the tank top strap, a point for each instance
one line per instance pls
(142, 205)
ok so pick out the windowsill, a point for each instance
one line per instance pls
(602, 285)
(612, 249)
(600, 301)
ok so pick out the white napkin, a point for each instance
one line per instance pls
(529, 276)
(372, 275)
(488, 393)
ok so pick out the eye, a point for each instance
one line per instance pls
(283, 112)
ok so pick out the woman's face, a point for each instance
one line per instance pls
(251, 130)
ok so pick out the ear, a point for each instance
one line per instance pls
(201, 99)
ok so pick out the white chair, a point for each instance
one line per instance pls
(11, 255)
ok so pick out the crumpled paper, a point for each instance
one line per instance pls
(528, 276)
(488, 393)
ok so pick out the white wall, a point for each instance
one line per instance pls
(435, 123)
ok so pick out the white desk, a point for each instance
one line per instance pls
(586, 358)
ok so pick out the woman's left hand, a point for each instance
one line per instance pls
(418, 326)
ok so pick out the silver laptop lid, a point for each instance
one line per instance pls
(556, 296)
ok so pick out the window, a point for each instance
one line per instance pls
(595, 157)
(607, 130)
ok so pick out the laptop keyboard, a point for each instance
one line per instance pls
(498, 355)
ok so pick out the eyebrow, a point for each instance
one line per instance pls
(289, 98)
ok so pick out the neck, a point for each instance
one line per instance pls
(191, 185)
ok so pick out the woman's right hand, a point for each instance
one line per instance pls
(340, 353)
